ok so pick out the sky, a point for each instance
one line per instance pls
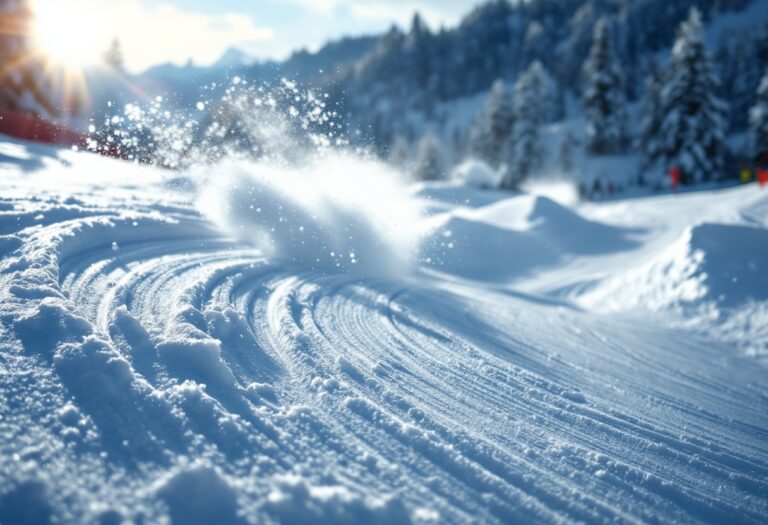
(159, 31)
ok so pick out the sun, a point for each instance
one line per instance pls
(63, 34)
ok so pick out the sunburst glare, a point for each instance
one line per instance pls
(64, 35)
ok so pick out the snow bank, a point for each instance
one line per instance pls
(553, 222)
(339, 213)
(199, 496)
(721, 266)
(295, 501)
(509, 238)
(714, 279)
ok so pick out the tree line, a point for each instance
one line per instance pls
(684, 118)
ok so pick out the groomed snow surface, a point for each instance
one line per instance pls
(223, 347)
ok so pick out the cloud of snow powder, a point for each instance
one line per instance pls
(273, 168)
(337, 212)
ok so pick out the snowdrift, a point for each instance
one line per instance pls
(712, 279)
(510, 238)
(712, 266)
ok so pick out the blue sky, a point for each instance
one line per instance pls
(156, 31)
(300, 23)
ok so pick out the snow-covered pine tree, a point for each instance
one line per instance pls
(604, 103)
(24, 85)
(573, 49)
(493, 127)
(418, 49)
(536, 45)
(692, 128)
(551, 96)
(650, 119)
(524, 147)
(758, 119)
(430, 159)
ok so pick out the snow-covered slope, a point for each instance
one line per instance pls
(156, 366)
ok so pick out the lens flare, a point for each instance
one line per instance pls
(64, 35)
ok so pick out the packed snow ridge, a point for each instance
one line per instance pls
(240, 347)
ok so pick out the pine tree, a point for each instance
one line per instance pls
(24, 84)
(740, 70)
(524, 147)
(758, 119)
(576, 46)
(536, 45)
(604, 102)
(418, 61)
(650, 119)
(494, 126)
(692, 128)
(430, 160)
(113, 57)
(551, 96)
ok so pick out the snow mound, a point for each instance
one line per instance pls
(712, 266)
(476, 173)
(340, 213)
(510, 238)
(295, 501)
(200, 496)
(557, 224)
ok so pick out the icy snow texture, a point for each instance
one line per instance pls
(157, 367)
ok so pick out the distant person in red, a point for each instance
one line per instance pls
(674, 178)
(762, 177)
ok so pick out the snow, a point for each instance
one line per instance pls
(476, 173)
(496, 357)
(339, 213)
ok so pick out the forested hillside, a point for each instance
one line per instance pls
(601, 74)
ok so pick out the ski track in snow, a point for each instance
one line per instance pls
(152, 368)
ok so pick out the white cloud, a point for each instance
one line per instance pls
(160, 33)
(155, 31)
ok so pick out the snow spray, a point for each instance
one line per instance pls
(273, 169)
